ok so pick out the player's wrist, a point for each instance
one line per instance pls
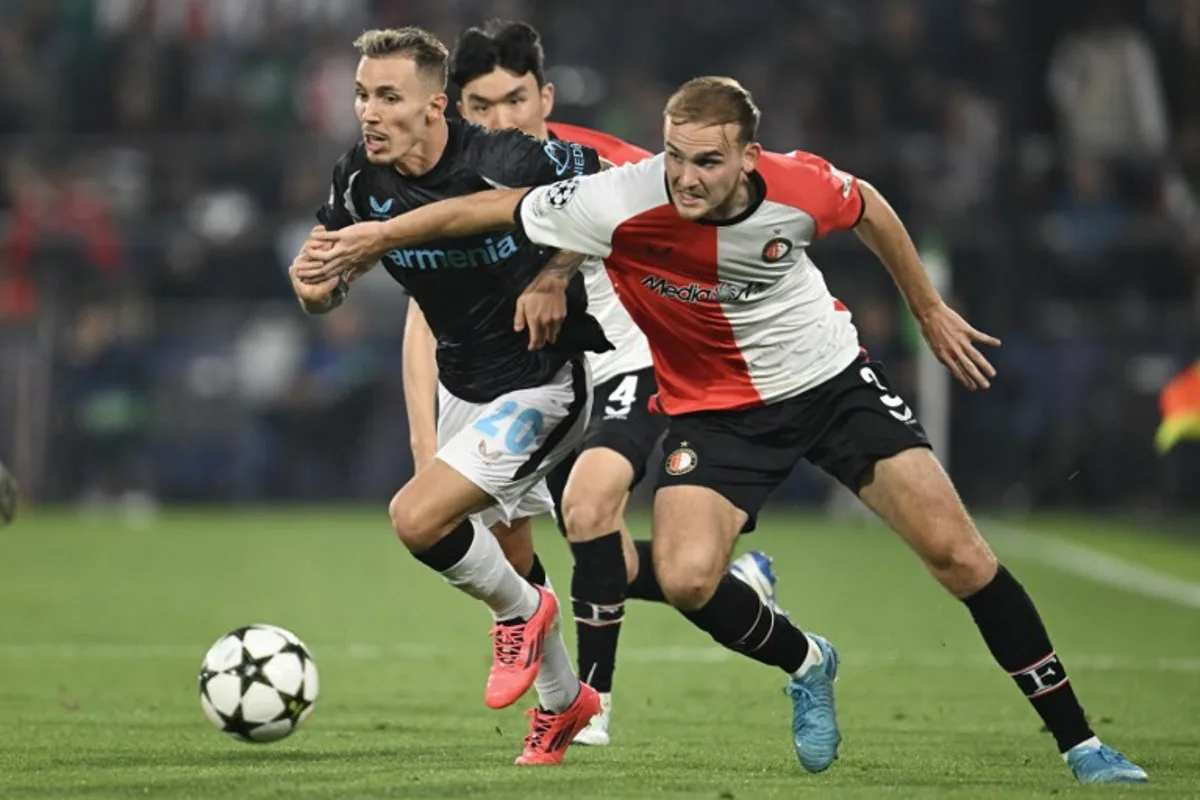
(387, 235)
(925, 308)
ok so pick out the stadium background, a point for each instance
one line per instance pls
(161, 161)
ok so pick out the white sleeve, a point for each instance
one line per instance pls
(575, 214)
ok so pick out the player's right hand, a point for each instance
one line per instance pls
(542, 308)
(953, 341)
(310, 293)
(342, 251)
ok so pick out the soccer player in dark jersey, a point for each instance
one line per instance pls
(500, 73)
(758, 366)
(509, 413)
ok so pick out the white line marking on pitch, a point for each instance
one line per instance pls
(1094, 565)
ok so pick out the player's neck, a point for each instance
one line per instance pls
(425, 154)
(543, 133)
(737, 202)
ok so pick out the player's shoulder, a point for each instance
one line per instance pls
(636, 183)
(477, 143)
(611, 148)
(793, 177)
(351, 161)
(629, 191)
(796, 163)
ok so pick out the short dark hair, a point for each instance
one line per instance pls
(425, 49)
(515, 46)
(715, 101)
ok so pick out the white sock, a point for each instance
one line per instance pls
(556, 683)
(485, 574)
(1092, 742)
(814, 658)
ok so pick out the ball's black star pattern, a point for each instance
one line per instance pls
(237, 725)
(250, 670)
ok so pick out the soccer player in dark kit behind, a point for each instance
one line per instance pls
(510, 414)
(758, 366)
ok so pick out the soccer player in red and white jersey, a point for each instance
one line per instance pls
(759, 366)
(500, 73)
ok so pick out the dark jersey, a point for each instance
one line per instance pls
(467, 288)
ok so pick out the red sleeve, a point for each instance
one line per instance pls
(831, 196)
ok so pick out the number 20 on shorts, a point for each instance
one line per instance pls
(521, 430)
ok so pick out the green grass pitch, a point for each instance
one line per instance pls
(102, 629)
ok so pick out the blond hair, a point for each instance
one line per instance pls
(715, 100)
(426, 50)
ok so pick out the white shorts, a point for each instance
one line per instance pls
(506, 447)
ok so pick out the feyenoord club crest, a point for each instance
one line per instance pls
(682, 461)
(776, 250)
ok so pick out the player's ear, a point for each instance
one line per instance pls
(547, 99)
(750, 155)
(437, 106)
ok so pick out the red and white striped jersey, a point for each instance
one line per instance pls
(632, 352)
(736, 313)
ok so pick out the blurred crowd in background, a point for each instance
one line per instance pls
(162, 160)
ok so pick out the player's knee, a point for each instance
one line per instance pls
(962, 564)
(687, 585)
(591, 517)
(410, 525)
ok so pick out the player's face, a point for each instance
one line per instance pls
(395, 106)
(503, 99)
(707, 168)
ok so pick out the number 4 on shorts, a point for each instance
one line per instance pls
(622, 398)
(521, 429)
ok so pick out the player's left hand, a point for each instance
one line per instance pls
(541, 308)
(342, 251)
(953, 342)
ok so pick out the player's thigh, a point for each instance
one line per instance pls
(433, 503)
(695, 529)
(913, 494)
(877, 448)
(513, 442)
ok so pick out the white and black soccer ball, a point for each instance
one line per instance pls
(258, 683)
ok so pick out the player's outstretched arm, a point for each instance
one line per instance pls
(420, 385)
(948, 334)
(366, 242)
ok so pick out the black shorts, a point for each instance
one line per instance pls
(621, 420)
(844, 426)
